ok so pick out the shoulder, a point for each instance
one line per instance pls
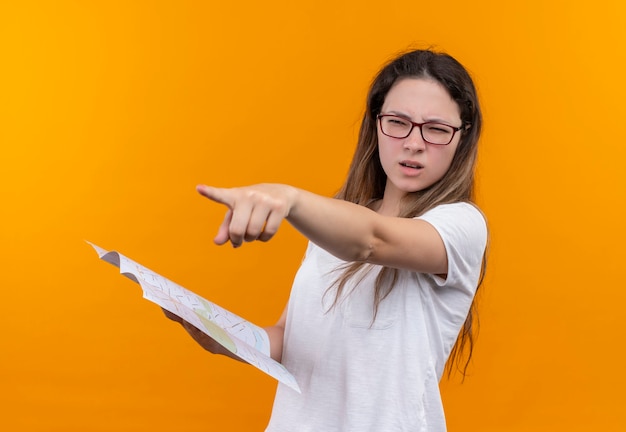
(458, 212)
(454, 209)
(462, 220)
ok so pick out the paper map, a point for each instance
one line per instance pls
(239, 336)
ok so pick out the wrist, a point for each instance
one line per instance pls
(293, 198)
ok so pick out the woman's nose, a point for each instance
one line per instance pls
(414, 141)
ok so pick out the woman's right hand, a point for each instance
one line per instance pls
(204, 340)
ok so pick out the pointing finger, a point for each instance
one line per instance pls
(222, 196)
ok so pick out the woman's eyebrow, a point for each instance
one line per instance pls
(400, 114)
(426, 120)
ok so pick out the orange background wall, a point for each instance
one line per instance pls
(112, 111)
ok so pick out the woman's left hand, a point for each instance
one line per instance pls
(254, 212)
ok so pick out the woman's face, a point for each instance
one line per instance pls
(412, 164)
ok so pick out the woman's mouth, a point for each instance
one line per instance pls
(411, 164)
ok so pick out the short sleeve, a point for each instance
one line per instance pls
(463, 230)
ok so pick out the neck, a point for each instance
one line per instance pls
(389, 205)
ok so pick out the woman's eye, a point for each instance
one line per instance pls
(397, 122)
(440, 129)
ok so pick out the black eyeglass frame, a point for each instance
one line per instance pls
(379, 117)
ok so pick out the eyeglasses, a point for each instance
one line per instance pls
(433, 133)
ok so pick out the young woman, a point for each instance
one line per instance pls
(385, 292)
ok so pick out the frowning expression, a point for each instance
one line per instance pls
(411, 163)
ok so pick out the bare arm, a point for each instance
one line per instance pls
(355, 233)
(348, 231)
(276, 334)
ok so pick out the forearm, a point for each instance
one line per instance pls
(275, 334)
(344, 229)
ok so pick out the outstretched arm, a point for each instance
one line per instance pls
(349, 231)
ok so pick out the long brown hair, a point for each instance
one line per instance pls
(366, 178)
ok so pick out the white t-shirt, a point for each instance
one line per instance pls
(382, 376)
